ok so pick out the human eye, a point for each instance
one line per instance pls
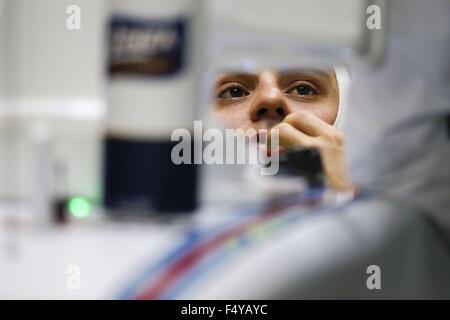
(302, 89)
(232, 91)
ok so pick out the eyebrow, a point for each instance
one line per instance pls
(287, 77)
(247, 78)
(322, 72)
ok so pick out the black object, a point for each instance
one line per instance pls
(448, 125)
(60, 210)
(303, 162)
(140, 176)
(161, 49)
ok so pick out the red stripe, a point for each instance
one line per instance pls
(191, 258)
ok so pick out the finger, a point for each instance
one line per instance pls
(290, 137)
(309, 124)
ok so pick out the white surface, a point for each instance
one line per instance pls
(54, 76)
(323, 256)
(317, 21)
(34, 263)
(45, 58)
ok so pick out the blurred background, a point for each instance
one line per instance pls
(61, 101)
(52, 81)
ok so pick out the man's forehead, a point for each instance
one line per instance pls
(326, 72)
(230, 76)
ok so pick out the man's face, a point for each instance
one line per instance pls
(260, 101)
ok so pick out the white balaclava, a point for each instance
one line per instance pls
(343, 80)
(396, 127)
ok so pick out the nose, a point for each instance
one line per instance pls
(269, 102)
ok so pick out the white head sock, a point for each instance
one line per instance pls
(343, 80)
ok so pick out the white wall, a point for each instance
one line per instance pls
(50, 59)
(52, 76)
(2, 50)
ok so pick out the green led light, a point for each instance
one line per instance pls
(79, 207)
